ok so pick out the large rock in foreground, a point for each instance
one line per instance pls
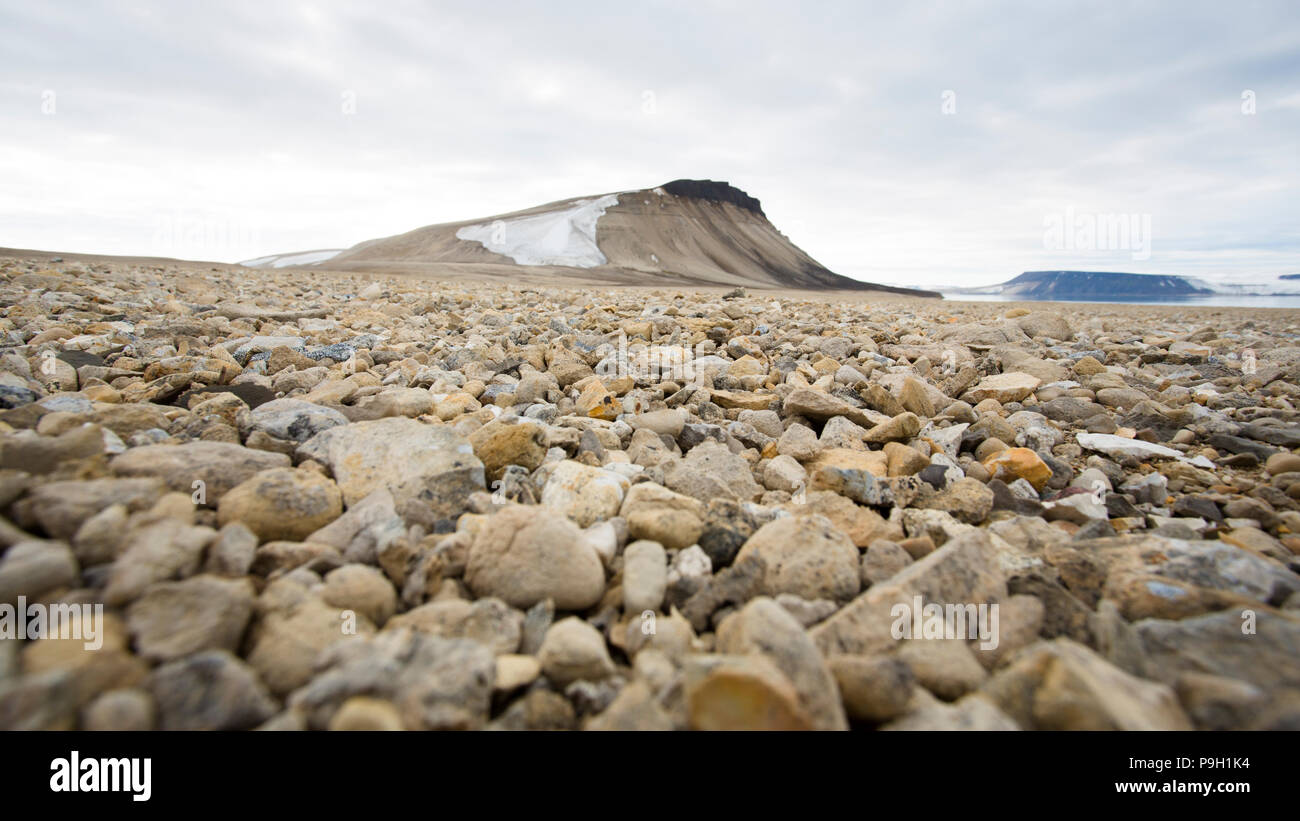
(430, 469)
(964, 571)
(806, 556)
(525, 555)
(1062, 685)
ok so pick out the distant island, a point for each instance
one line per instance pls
(1076, 285)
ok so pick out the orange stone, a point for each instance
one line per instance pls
(1019, 463)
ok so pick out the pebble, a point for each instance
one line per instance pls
(126, 710)
(585, 494)
(524, 556)
(656, 513)
(212, 690)
(806, 556)
(875, 689)
(282, 504)
(362, 714)
(574, 650)
(1282, 463)
(172, 620)
(645, 576)
(361, 588)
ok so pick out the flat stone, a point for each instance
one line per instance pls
(1004, 387)
(430, 470)
(219, 466)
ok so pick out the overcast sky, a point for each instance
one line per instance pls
(925, 143)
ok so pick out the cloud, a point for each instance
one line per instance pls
(232, 131)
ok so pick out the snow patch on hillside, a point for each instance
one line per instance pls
(566, 237)
(285, 260)
(1248, 285)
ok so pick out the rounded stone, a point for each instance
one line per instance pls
(574, 650)
(364, 714)
(526, 554)
(120, 711)
(806, 556)
(645, 576)
(1280, 463)
(361, 588)
(282, 504)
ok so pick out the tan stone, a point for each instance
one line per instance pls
(742, 693)
(282, 504)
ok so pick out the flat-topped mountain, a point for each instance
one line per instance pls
(1092, 285)
(686, 233)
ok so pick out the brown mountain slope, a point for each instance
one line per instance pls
(687, 232)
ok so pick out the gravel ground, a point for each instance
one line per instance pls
(303, 500)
